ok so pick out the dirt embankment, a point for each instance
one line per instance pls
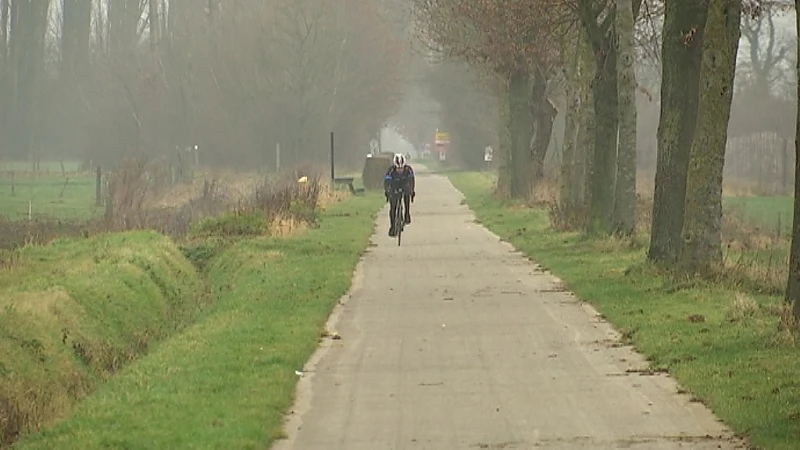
(75, 312)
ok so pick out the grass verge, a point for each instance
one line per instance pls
(74, 312)
(227, 380)
(721, 344)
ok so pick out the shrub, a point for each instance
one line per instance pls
(238, 223)
(288, 198)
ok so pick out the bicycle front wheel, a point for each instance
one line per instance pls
(398, 221)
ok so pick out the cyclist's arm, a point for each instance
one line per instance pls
(411, 179)
(387, 180)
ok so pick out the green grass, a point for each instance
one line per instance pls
(771, 213)
(736, 361)
(226, 381)
(245, 223)
(74, 312)
(47, 195)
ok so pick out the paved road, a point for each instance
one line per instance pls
(478, 350)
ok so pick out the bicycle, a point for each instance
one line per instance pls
(399, 217)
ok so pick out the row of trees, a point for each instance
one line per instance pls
(530, 47)
(102, 79)
(586, 49)
(507, 40)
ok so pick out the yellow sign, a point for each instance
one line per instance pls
(442, 137)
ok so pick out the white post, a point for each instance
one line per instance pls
(30, 210)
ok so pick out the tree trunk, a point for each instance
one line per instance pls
(154, 22)
(76, 23)
(542, 113)
(625, 189)
(28, 26)
(544, 116)
(569, 164)
(584, 151)
(5, 85)
(505, 156)
(520, 131)
(123, 21)
(680, 87)
(604, 163)
(702, 241)
(793, 282)
(567, 186)
(74, 72)
(11, 75)
(4, 10)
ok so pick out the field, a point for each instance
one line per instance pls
(50, 195)
(772, 214)
(53, 195)
(719, 340)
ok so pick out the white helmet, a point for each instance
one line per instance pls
(399, 160)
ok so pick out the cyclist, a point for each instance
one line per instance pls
(399, 179)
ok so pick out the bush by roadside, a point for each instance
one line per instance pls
(720, 340)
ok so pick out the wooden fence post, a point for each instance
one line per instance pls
(98, 187)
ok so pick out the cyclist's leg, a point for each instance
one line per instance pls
(393, 203)
(407, 203)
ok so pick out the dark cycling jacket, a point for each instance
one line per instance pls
(399, 179)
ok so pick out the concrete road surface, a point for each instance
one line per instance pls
(456, 341)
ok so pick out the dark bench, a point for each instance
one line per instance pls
(349, 182)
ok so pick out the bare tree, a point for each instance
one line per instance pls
(767, 51)
(147, 76)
